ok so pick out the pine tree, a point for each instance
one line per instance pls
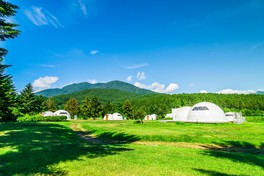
(72, 106)
(96, 107)
(128, 109)
(86, 108)
(7, 90)
(49, 105)
(27, 100)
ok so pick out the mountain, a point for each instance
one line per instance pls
(119, 85)
(260, 92)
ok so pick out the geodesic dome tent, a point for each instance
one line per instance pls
(63, 113)
(181, 114)
(47, 113)
(207, 112)
(151, 117)
(115, 116)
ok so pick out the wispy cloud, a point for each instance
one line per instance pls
(40, 17)
(92, 81)
(157, 87)
(94, 52)
(138, 66)
(44, 82)
(256, 46)
(83, 7)
(44, 65)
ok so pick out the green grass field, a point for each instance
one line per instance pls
(124, 148)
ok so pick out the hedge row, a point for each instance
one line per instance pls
(40, 118)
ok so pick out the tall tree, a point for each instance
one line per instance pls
(49, 105)
(85, 108)
(72, 106)
(108, 108)
(7, 90)
(96, 107)
(27, 100)
(128, 109)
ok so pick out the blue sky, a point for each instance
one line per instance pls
(171, 46)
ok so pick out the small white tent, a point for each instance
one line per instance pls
(63, 113)
(151, 117)
(115, 116)
(47, 113)
(181, 114)
(207, 112)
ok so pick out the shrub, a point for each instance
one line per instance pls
(40, 118)
(255, 118)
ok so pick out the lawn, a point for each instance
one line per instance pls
(124, 148)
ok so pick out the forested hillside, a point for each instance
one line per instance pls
(161, 104)
(119, 85)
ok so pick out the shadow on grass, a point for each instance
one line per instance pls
(214, 173)
(32, 148)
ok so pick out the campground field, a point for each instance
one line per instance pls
(123, 148)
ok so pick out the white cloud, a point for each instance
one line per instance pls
(94, 52)
(83, 7)
(203, 91)
(129, 78)
(138, 66)
(93, 81)
(40, 17)
(157, 87)
(171, 88)
(231, 91)
(44, 82)
(141, 75)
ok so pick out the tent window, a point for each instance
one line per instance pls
(200, 108)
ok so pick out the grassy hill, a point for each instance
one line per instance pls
(119, 85)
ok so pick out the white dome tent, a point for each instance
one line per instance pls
(151, 117)
(181, 114)
(47, 113)
(63, 113)
(115, 116)
(206, 112)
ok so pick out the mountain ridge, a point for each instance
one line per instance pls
(76, 87)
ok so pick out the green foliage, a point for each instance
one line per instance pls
(108, 108)
(255, 118)
(40, 118)
(28, 102)
(7, 90)
(72, 106)
(49, 105)
(128, 109)
(96, 107)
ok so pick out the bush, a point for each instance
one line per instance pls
(40, 118)
(255, 118)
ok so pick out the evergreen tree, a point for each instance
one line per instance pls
(86, 108)
(49, 105)
(7, 90)
(72, 106)
(108, 108)
(128, 109)
(96, 107)
(27, 101)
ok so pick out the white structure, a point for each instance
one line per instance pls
(47, 113)
(115, 116)
(206, 112)
(63, 113)
(235, 117)
(151, 117)
(181, 114)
